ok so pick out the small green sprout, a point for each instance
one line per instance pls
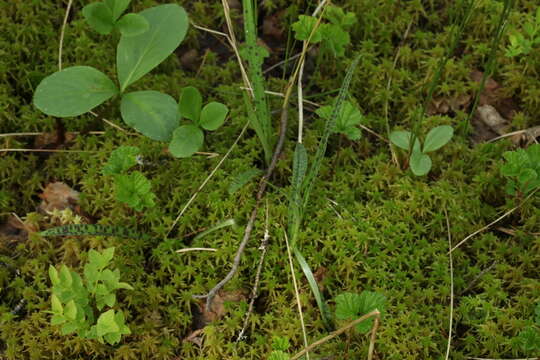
(522, 168)
(419, 161)
(523, 43)
(74, 299)
(133, 189)
(347, 121)
(188, 139)
(351, 306)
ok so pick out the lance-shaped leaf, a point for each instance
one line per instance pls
(137, 55)
(73, 91)
(152, 113)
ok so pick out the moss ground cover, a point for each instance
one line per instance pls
(372, 226)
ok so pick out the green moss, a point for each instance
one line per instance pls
(387, 232)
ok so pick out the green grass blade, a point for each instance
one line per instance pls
(220, 225)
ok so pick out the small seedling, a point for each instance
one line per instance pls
(279, 347)
(522, 168)
(75, 299)
(351, 306)
(133, 189)
(523, 43)
(332, 34)
(347, 121)
(188, 139)
(106, 16)
(419, 160)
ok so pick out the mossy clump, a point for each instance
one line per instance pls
(371, 227)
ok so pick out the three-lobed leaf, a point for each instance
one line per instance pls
(186, 141)
(347, 121)
(152, 113)
(304, 27)
(135, 190)
(137, 55)
(73, 91)
(121, 160)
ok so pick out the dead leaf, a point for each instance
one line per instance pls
(272, 26)
(488, 124)
(493, 95)
(526, 137)
(195, 337)
(190, 59)
(320, 275)
(218, 305)
(14, 230)
(58, 196)
(442, 106)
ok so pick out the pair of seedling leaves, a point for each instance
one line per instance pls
(74, 299)
(104, 17)
(77, 90)
(419, 160)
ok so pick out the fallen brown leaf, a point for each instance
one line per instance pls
(58, 196)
